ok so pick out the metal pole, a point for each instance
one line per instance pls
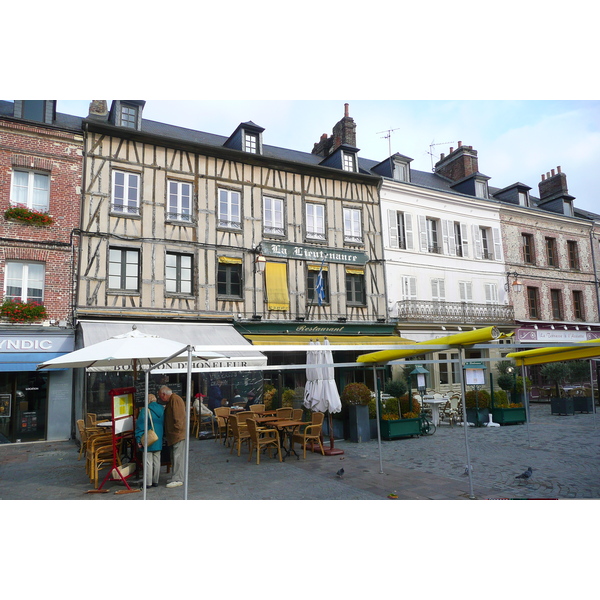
(147, 408)
(526, 401)
(593, 394)
(464, 417)
(188, 393)
(377, 396)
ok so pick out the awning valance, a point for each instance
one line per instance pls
(357, 340)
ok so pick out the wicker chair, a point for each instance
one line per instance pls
(284, 413)
(257, 407)
(297, 414)
(311, 433)
(239, 434)
(222, 427)
(262, 438)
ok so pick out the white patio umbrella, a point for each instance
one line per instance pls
(138, 350)
(311, 395)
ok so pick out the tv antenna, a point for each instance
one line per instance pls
(431, 150)
(388, 137)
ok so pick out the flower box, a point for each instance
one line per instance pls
(392, 430)
(507, 416)
(22, 312)
(583, 404)
(562, 406)
(23, 214)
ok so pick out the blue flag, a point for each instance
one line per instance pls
(320, 285)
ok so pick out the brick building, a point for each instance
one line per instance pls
(41, 155)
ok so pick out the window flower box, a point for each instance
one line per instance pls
(22, 214)
(22, 312)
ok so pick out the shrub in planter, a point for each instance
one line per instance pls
(391, 405)
(356, 394)
(22, 312)
(557, 372)
(500, 399)
(396, 388)
(269, 393)
(287, 397)
(477, 399)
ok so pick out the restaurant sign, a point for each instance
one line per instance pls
(554, 335)
(301, 252)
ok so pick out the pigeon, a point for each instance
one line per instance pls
(467, 469)
(526, 475)
(340, 473)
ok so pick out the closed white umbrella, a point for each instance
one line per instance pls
(310, 389)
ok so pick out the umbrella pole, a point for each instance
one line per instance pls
(331, 451)
(145, 458)
(188, 405)
(526, 401)
(593, 393)
(463, 388)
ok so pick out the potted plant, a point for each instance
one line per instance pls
(505, 412)
(400, 418)
(477, 403)
(22, 214)
(356, 396)
(558, 373)
(22, 312)
(579, 373)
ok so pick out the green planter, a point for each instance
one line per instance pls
(392, 430)
(507, 416)
(478, 416)
(562, 406)
(583, 404)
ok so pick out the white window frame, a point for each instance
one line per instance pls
(465, 289)
(230, 206)
(179, 273)
(433, 235)
(398, 230)
(353, 225)
(481, 189)
(251, 142)
(315, 221)
(523, 198)
(25, 274)
(491, 293)
(401, 171)
(131, 271)
(127, 204)
(34, 198)
(349, 162)
(438, 290)
(273, 215)
(176, 192)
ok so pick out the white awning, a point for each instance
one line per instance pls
(207, 336)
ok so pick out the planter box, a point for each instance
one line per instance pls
(358, 423)
(478, 416)
(562, 406)
(338, 428)
(506, 416)
(583, 404)
(392, 430)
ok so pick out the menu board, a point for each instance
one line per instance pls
(122, 409)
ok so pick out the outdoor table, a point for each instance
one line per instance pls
(287, 428)
(435, 407)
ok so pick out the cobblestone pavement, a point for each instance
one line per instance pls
(564, 452)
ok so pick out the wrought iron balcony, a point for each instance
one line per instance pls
(453, 312)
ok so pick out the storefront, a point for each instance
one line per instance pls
(34, 405)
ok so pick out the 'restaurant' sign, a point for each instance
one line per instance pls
(300, 252)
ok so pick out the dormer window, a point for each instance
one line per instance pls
(568, 208)
(401, 172)
(128, 116)
(523, 199)
(481, 188)
(42, 111)
(127, 113)
(349, 162)
(250, 142)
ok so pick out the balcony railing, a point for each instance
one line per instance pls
(453, 312)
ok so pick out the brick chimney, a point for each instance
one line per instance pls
(98, 108)
(459, 163)
(553, 185)
(344, 132)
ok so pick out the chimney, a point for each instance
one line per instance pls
(553, 185)
(344, 132)
(459, 163)
(98, 108)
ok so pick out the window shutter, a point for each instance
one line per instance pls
(409, 288)
(466, 291)
(477, 241)
(423, 233)
(497, 244)
(393, 224)
(464, 232)
(408, 231)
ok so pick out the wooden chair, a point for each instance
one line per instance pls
(311, 433)
(83, 437)
(257, 407)
(284, 413)
(222, 427)
(239, 434)
(99, 453)
(195, 423)
(262, 438)
(90, 419)
(297, 414)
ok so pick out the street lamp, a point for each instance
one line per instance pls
(517, 286)
(260, 263)
(420, 373)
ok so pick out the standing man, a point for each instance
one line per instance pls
(174, 431)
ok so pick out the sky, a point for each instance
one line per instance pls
(516, 140)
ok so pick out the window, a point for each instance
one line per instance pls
(523, 199)
(528, 249)
(229, 278)
(349, 161)
(444, 376)
(401, 172)
(355, 287)
(481, 189)
(128, 117)
(229, 209)
(578, 307)
(568, 208)
(123, 269)
(573, 255)
(178, 273)
(315, 221)
(251, 143)
(397, 229)
(465, 289)
(458, 239)
(551, 254)
(24, 282)
(32, 189)
(533, 302)
(556, 301)
(432, 236)
(273, 216)
(445, 369)
(126, 193)
(491, 293)
(486, 251)
(311, 284)
(438, 290)
(352, 226)
(180, 201)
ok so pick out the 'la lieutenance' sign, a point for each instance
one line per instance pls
(300, 252)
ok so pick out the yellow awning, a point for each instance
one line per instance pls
(230, 260)
(539, 356)
(466, 338)
(277, 287)
(355, 340)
